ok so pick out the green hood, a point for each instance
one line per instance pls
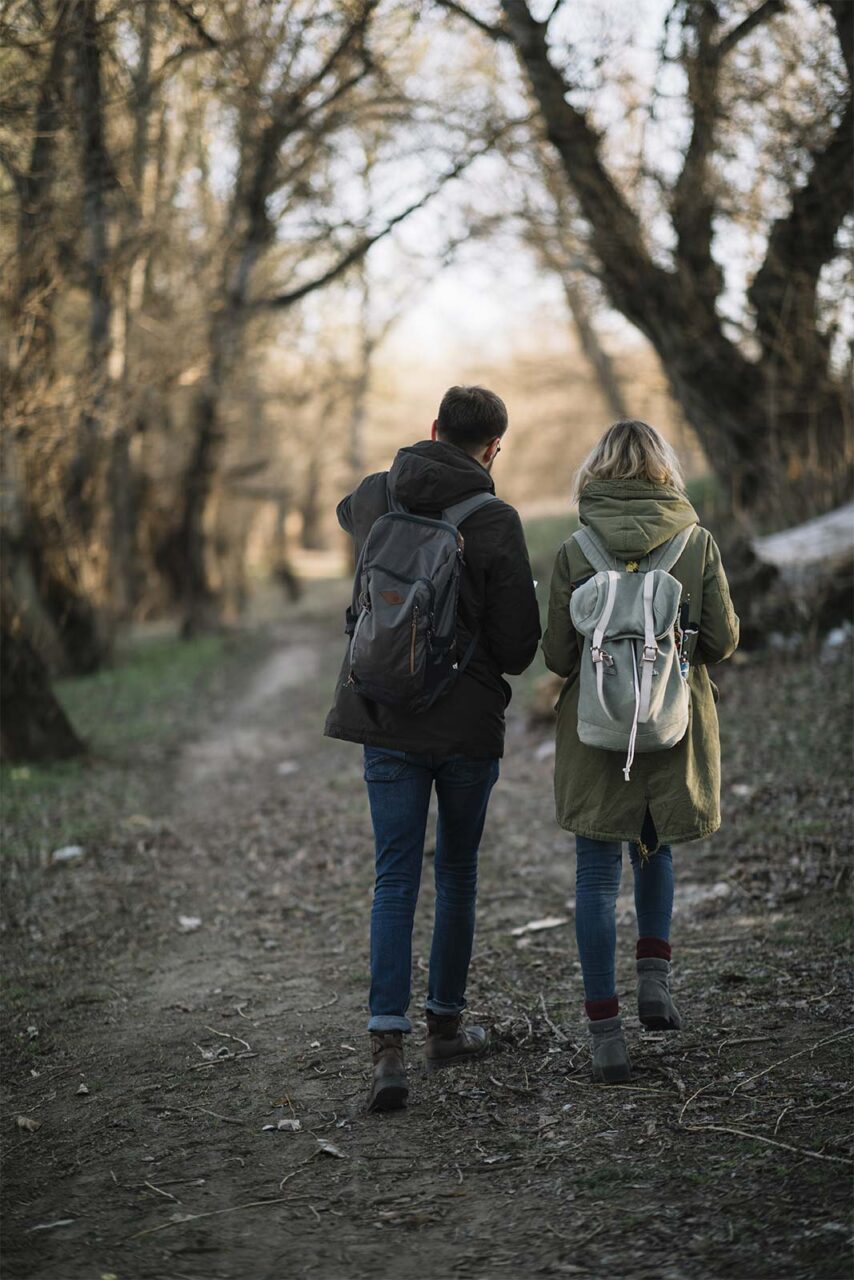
(632, 517)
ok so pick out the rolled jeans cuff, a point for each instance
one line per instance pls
(389, 1022)
(444, 1010)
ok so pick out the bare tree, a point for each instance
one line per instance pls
(774, 421)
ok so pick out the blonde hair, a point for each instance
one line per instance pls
(630, 450)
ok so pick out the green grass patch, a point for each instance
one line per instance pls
(131, 715)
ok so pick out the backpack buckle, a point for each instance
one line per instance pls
(650, 652)
(600, 655)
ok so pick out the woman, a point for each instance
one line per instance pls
(631, 497)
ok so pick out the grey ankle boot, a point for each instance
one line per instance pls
(611, 1063)
(656, 1009)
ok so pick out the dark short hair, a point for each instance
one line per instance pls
(470, 416)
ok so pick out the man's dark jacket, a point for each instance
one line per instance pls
(496, 594)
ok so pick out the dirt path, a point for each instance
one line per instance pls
(190, 1039)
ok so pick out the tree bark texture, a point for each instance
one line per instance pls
(776, 430)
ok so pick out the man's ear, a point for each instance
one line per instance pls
(491, 451)
(434, 430)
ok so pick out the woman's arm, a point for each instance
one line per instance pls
(560, 643)
(719, 627)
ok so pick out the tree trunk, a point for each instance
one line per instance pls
(123, 485)
(40, 548)
(33, 725)
(198, 598)
(313, 538)
(776, 431)
(597, 357)
(97, 175)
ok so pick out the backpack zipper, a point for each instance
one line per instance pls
(351, 678)
(413, 636)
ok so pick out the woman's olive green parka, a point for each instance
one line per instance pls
(680, 786)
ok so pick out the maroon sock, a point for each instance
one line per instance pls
(653, 949)
(598, 1009)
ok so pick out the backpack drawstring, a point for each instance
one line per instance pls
(634, 733)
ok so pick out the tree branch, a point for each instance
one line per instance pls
(843, 16)
(783, 291)
(766, 10)
(186, 12)
(358, 250)
(495, 33)
(692, 205)
(631, 277)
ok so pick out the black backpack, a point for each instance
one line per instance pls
(403, 620)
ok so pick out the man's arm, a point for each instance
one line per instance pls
(345, 514)
(511, 618)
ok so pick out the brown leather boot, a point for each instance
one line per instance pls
(389, 1089)
(448, 1042)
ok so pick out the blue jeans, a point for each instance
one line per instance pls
(599, 864)
(399, 789)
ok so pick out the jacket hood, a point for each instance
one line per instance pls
(432, 475)
(633, 517)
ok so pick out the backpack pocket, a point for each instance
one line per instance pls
(632, 695)
(391, 638)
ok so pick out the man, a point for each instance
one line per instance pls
(456, 743)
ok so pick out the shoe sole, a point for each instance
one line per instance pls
(656, 1018)
(391, 1097)
(439, 1064)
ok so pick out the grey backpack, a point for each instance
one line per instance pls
(633, 695)
(403, 619)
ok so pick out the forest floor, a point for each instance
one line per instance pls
(200, 973)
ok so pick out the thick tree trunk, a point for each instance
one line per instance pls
(97, 175)
(199, 598)
(39, 548)
(768, 425)
(33, 725)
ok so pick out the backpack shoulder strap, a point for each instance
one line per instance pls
(460, 511)
(665, 556)
(595, 554)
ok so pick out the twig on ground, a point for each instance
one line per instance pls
(514, 1088)
(758, 1137)
(295, 1171)
(194, 1217)
(315, 1007)
(226, 1036)
(839, 1035)
(192, 1110)
(814, 1106)
(217, 1062)
(173, 1182)
(694, 1095)
(168, 1194)
(557, 1031)
(741, 1040)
